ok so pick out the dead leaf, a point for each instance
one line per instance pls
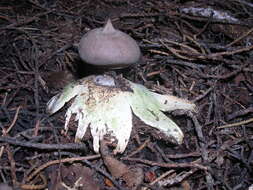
(74, 177)
(186, 185)
(132, 176)
(108, 182)
(232, 31)
(115, 167)
(150, 176)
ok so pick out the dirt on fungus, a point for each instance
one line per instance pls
(204, 58)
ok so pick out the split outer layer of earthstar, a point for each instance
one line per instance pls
(105, 105)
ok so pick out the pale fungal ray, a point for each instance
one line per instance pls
(107, 109)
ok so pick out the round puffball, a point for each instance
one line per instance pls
(108, 47)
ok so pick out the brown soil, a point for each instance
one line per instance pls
(201, 58)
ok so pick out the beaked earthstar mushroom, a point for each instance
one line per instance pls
(109, 48)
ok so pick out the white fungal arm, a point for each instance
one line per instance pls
(103, 106)
(69, 92)
(170, 103)
(148, 106)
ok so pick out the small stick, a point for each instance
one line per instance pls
(236, 124)
(168, 165)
